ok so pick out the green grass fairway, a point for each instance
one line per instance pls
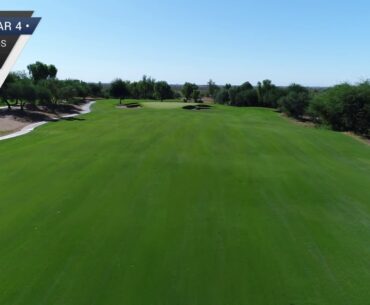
(229, 206)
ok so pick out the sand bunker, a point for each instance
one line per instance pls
(197, 107)
(15, 126)
(129, 106)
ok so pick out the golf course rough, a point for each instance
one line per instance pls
(163, 206)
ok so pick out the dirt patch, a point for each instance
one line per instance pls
(303, 122)
(357, 137)
(307, 123)
(208, 100)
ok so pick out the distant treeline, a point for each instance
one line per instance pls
(41, 87)
(150, 89)
(344, 107)
(147, 88)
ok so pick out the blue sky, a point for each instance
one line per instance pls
(315, 43)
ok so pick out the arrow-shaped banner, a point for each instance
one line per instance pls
(16, 27)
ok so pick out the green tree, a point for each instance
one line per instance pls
(162, 90)
(146, 87)
(83, 90)
(222, 97)
(188, 89)
(14, 92)
(40, 71)
(196, 94)
(96, 89)
(212, 88)
(23, 91)
(119, 90)
(53, 71)
(246, 86)
(28, 93)
(247, 97)
(295, 104)
(44, 95)
(67, 92)
(54, 86)
(296, 101)
(5, 91)
(344, 107)
(268, 94)
(134, 90)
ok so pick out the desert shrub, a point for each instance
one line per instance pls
(265, 95)
(246, 98)
(222, 97)
(296, 102)
(344, 107)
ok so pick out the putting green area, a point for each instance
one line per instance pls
(165, 105)
(165, 206)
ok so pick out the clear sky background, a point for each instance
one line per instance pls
(311, 42)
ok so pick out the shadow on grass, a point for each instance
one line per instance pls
(72, 119)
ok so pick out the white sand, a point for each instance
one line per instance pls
(9, 124)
